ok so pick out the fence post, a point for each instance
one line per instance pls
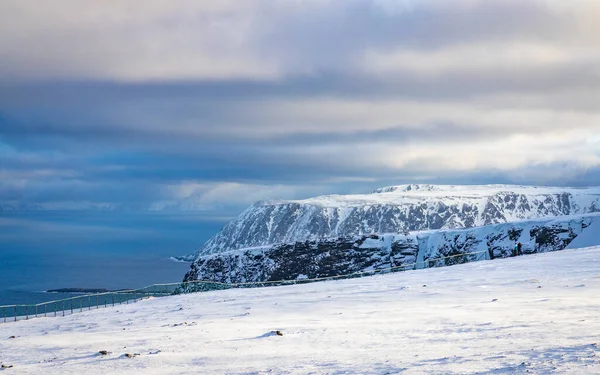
(5, 315)
(45, 310)
(15, 313)
(55, 309)
(36, 311)
(105, 301)
(63, 307)
(26, 312)
(112, 298)
(97, 302)
(89, 303)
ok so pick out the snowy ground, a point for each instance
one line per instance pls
(535, 314)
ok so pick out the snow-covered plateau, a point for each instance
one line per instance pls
(396, 209)
(535, 314)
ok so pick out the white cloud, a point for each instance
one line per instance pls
(505, 154)
(207, 196)
(487, 57)
(268, 39)
(122, 40)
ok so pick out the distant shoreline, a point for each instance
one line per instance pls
(180, 260)
(78, 290)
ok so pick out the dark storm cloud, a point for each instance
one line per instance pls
(455, 85)
(49, 127)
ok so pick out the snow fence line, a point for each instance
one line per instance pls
(86, 302)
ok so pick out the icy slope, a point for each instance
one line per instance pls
(397, 209)
(327, 257)
(589, 237)
(536, 314)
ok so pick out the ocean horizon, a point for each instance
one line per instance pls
(44, 250)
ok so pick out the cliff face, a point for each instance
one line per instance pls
(396, 209)
(344, 255)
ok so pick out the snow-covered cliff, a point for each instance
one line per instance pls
(396, 209)
(341, 256)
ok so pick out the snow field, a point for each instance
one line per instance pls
(533, 314)
(449, 194)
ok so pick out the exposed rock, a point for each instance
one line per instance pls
(373, 253)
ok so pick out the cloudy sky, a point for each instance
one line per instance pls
(221, 103)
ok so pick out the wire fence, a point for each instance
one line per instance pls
(86, 302)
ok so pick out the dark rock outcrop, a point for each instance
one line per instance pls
(347, 255)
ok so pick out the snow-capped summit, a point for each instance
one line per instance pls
(471, 190)
(397, 209)
(405, 188)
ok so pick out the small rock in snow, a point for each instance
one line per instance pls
(103, 352)
(495, 299)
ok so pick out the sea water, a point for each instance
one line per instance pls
(43, 250)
